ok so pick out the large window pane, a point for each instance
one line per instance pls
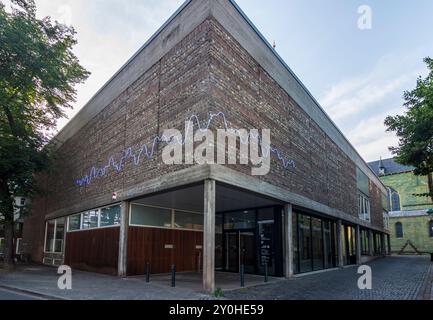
(329, 250)
(240, 220)
(149, 216)
(266, 235)
(190, 221)
(74, 223)
(110, 216)
(317, 244)
(60, 234)
(305, 243)
(90, 219)
(49, 237)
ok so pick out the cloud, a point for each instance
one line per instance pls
(109, 32)
(360, 104)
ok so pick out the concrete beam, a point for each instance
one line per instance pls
(123, 240)
(358, 244)
(288, 240)
(340, 261)
(209, 236)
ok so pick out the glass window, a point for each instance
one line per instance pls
(328, 240)
(90, 219)
(110, 216)
(240, 220)
(362, 182)
(317, 238)
(19, 246)
(305, 243)
(394, 199)
(74, 223)
(49, 238)
(399, 230)
(149, 216)
(60, 234)
(364, 207)
(190, 221)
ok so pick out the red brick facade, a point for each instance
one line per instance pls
(208, 71)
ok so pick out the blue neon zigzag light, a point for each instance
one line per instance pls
(149, 153)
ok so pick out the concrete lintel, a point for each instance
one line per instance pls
(234, 178)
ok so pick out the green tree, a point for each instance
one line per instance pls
(38, 74)
(415, 129)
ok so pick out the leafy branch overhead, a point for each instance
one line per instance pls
(415, 129)
(38, 75)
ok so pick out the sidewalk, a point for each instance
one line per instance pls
(42, 281)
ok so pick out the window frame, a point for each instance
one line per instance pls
(398, 223)
(173, 218)
(391, 193)
(98, 210)
(53, 246)
(364, 207)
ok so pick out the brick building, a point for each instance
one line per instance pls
(113, 206)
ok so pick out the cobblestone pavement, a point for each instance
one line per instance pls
(394, 278)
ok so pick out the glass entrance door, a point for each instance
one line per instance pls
(240, 249)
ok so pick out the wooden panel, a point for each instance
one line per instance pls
(149, 245)
(93, 250)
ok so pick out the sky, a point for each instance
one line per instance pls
(358, 75)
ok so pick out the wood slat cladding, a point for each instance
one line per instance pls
(93, 250)
(162, 248)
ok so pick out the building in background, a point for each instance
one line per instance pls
(411, 220)
(20, 203)
(113, 206)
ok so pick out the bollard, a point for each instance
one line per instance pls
(173, 276)
(148, 272)
(242, 276)
(266, 272)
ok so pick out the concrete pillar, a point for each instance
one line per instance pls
(382, 244)
(358, 244)
(288, 240)
(123, 240)
(370, 243)
(340, 261)
(388, 237)
(209, 236)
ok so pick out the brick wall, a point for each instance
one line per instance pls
(206, 72)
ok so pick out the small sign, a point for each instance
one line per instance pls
(169, 246)
(199, 247)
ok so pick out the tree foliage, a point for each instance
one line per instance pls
(38, 75)
(415, 128)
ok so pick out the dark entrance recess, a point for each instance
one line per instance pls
(252, 238)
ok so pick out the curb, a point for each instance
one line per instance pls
(32, 293)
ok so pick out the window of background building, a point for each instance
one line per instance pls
(394, 199)
(399, 230)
